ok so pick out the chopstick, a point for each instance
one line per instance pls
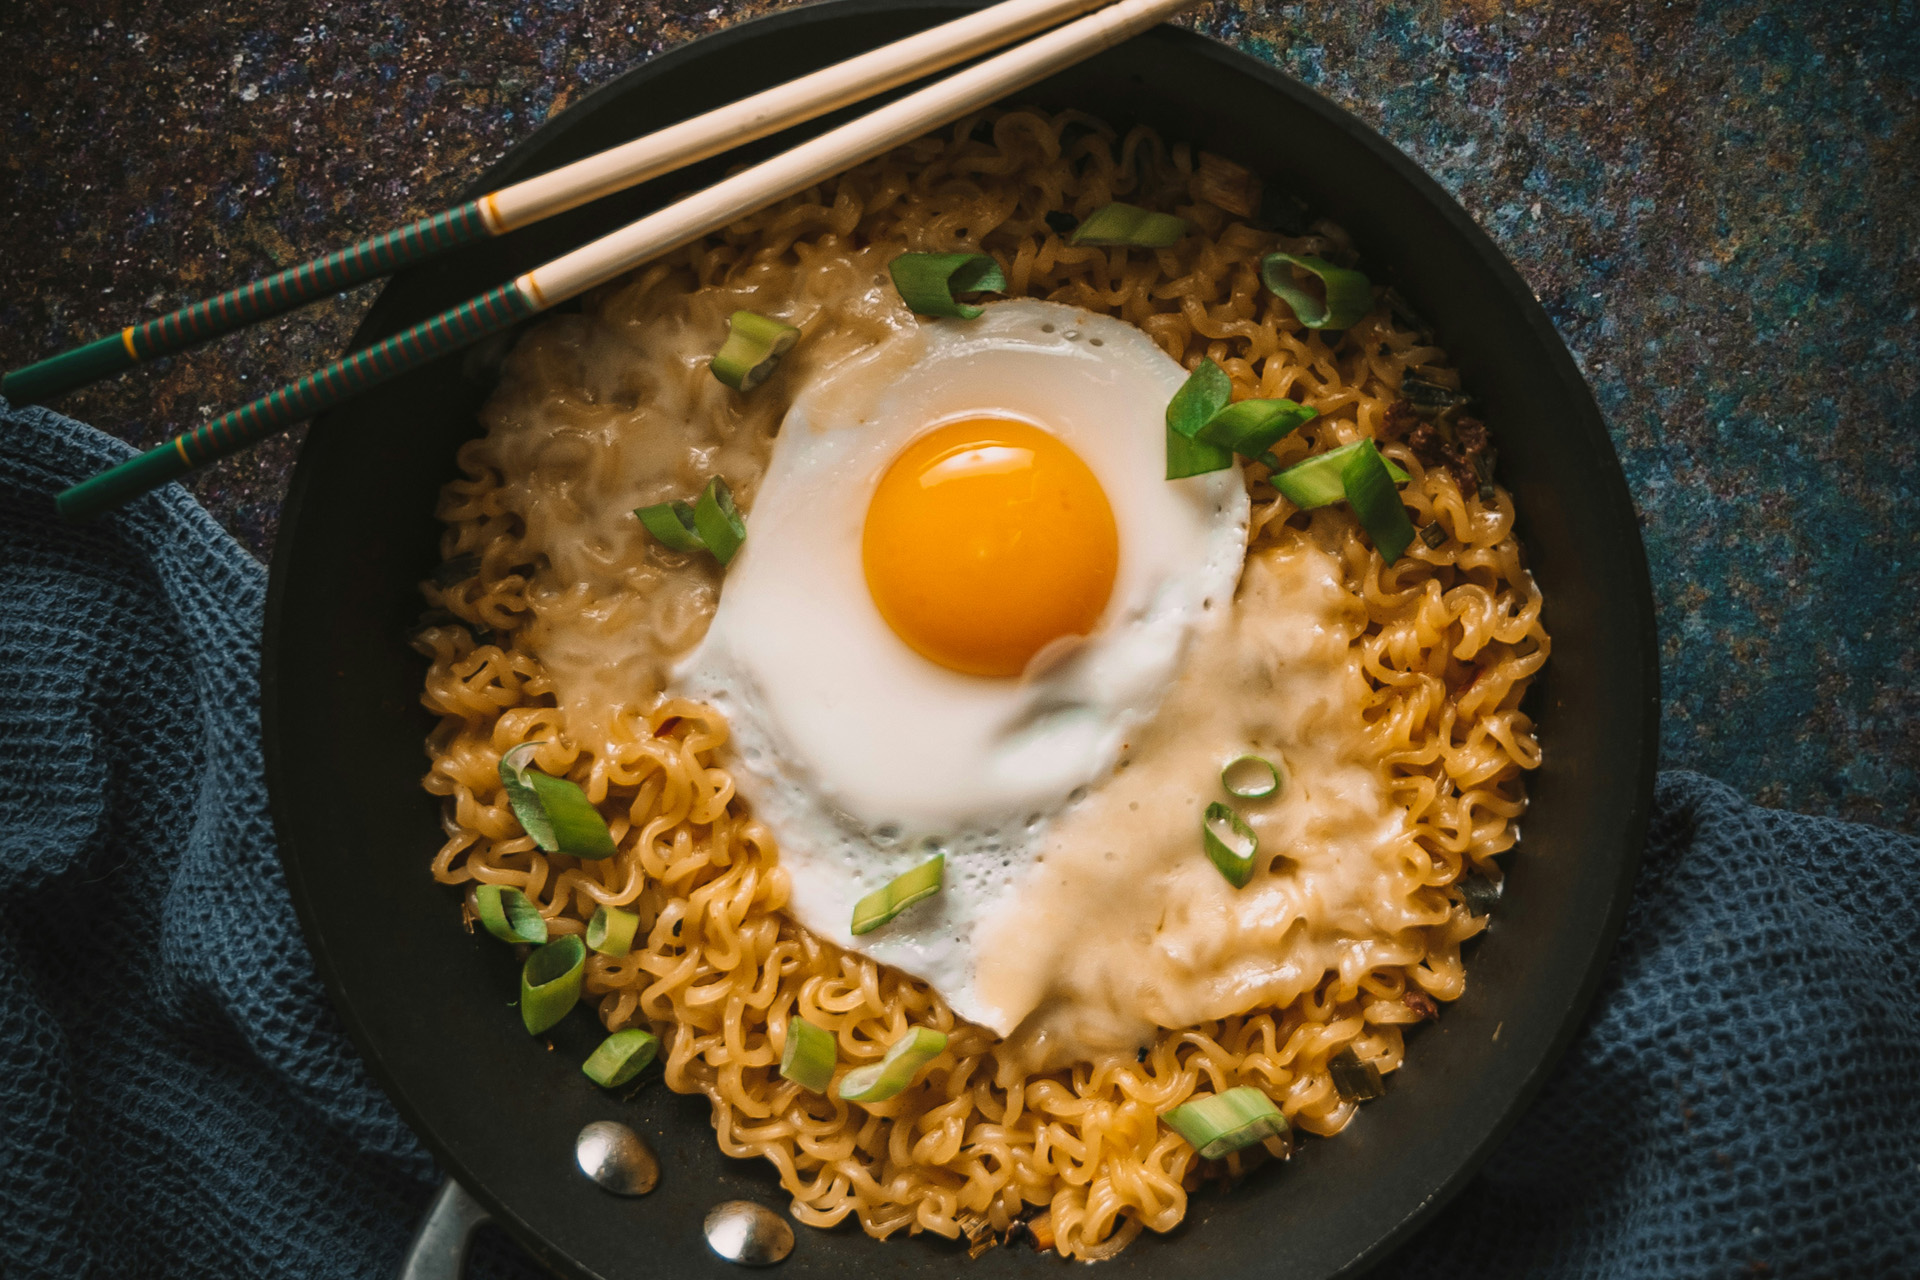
(619, 251)
(543, 196)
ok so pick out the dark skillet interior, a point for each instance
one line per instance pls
(429, 1003)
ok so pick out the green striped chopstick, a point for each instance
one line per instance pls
(601, 260)
(541, 196)
(237, 308)
(344, 378)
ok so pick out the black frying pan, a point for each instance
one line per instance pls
(427, 1003)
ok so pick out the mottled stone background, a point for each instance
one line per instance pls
(1717, 202)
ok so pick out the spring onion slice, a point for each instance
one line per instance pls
(1202, 396)
(1370, 490)
(1231, 844)
(1132, 226)
(1483, 464)
(885, 903)
(1428, 397)
(554, 811)
(1251, 777)
(894, 1072)
(1316, 482)
(1252, 427)
(671, 524)
(753, 347)
(1205, 430)
(1194, 457)
(1478, 893)
(1223, 1123)
(928, 281)
(620, 1057)
(809, 1055)
(718, 520)
(1349, 293)
(550, 982)
(611, 931)
(1354, 1078)
(508, 915)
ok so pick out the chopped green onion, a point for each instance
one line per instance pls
(1428, 397)
(671, 524)
(1252, 427)
(894, 1072)
(1477, 893)
(1130, 225)
(1194, 457)
(884, 904)
(753, 347)
(1251, 778)
(550, 982)
(1354, 1078)
(809, 1055)
(1205, 430)
(508, 915)
(611, 930)
(554, 811)
(1316, 482)
(1231, 844)
(1370, 491)
(1223, 1123)
(1434, 534)
(712, 523)
(928, 281)
(620, 1057)
(1203, 395)
(1349, 293)
(718, 520)
(1483, 464)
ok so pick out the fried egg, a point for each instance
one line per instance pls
(966, 584)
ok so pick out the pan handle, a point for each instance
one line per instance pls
(439, 1248)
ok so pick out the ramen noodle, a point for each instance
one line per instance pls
(563, 629)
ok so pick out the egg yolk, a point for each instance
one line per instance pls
(987, 540)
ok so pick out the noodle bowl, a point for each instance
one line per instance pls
(568, 630)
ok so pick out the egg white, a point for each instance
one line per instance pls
(864, 757)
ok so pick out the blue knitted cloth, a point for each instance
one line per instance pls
(178, 1099)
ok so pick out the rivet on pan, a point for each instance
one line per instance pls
(748, 1233)
(617, 1158)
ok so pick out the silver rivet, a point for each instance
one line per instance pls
(748, 1233)
(617, 1158)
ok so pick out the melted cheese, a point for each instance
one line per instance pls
(1124, 926)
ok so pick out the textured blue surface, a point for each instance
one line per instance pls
(177, 1097)
(1719, 206)
(1717, 201)
(183, 1102)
